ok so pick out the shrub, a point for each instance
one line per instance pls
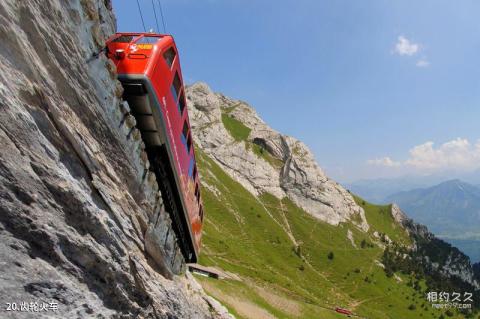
(363, 243)
(389, 272)
(331, 255)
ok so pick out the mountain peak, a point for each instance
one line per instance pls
(455, 181)
(264, 160)
(457, 185)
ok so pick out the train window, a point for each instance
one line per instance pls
(124, 39)
(181, 103)
(176, 86)
(169, 56)
(189, 143)
(190, 167)
(185, 130)
(196, 191)
(198, 197)
(194, 175)
(201, 213)
(187, 138)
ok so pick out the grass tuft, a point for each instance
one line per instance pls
(236, 128)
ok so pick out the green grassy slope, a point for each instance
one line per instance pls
(236, 128)
(280, 254)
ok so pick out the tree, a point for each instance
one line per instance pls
(363, 243)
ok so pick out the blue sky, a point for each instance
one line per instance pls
(375, 88)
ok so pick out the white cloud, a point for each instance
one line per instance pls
(406, 47)
(423, 63)
(457, 155)
(384, 161)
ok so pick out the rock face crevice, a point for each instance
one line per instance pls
(81, 216)
(285, 166)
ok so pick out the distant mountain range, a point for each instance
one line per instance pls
(450, 209)
(377, 190)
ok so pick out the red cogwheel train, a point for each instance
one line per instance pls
(148, 67)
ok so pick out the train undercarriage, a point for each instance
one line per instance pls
(144, 107)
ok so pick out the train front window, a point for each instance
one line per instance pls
(148, 40)
(124, 39)
(169, 56)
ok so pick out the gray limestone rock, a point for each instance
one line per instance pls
(76, 196)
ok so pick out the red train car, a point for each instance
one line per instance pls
(149, 68)
(343, 311)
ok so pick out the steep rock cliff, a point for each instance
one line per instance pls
(76, 195)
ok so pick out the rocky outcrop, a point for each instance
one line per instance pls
(398, 215)
(80, 213)
(285, 166)
(476, 271)
(435, 254)
(456, 265)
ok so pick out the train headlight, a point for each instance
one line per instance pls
(119, 54)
